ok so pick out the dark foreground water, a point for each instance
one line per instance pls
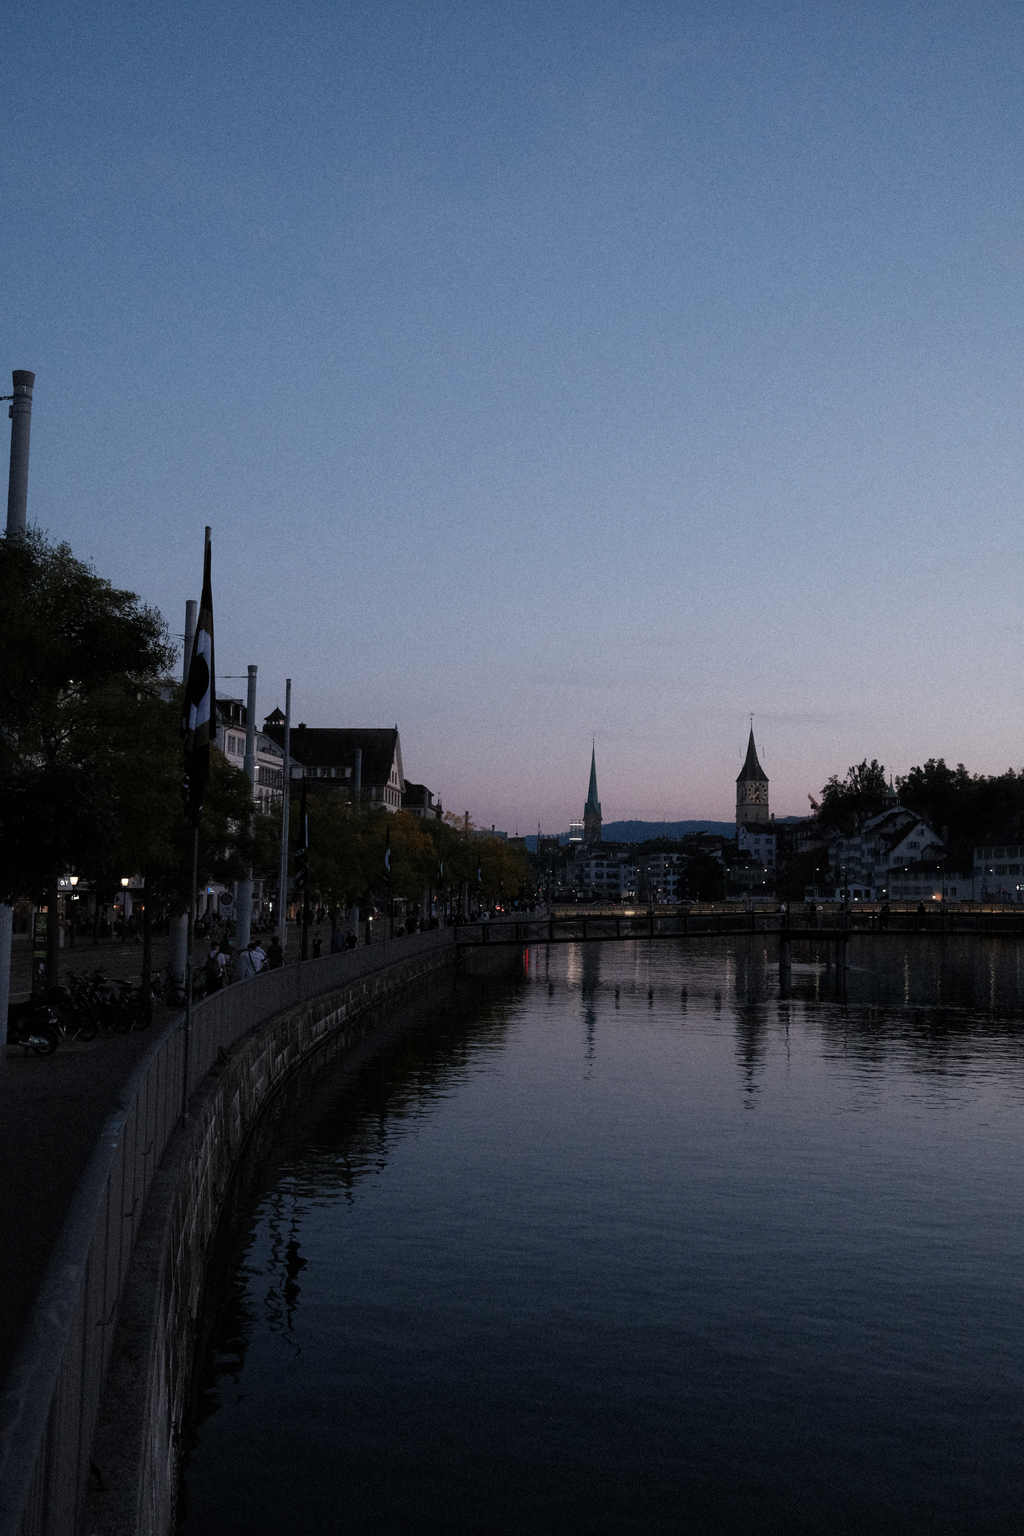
(577, 1259)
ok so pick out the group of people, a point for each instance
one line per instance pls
(248, 962)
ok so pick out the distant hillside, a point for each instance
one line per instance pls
(646, 831)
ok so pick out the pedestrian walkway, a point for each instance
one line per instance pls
(52, 1109)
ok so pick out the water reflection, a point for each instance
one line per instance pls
(655, 1239)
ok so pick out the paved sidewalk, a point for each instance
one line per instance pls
(52, 1109)
(120, 961)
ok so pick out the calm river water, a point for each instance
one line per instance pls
(635, 1244)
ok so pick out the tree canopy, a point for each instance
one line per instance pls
(78, 663)
(90, 753)
(847, 802)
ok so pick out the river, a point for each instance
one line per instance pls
(641, 1241)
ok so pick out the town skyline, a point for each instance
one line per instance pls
(545, 376)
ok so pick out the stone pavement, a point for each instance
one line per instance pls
(52, 1109)
(120, 961)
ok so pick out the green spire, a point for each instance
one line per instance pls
(593, 804)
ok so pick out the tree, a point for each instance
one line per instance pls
(77, 657)
(965, 809)
(845, 803)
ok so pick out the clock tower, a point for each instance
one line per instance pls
(751, 789)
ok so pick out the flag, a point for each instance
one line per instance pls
(387, 860)
(302, 853)
(440, 871)
(199, 723)
(479, 875)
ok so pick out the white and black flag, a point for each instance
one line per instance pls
(199, 723)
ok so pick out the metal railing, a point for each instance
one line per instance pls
(835, 923)
(51, 1405)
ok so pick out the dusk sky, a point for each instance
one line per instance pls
(545, 371)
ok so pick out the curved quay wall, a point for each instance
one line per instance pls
(149, 1202)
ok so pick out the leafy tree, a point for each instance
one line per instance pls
(965, 809)
(76, 657)
(846, 802)
(704, 877)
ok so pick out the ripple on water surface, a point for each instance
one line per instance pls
(638, 1244)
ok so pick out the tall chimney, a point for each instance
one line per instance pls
(21, 423)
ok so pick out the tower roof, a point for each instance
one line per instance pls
(751, 767)
(593, 804)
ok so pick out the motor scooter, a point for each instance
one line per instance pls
(32, 1024)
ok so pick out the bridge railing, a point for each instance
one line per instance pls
(50, 1407)
(535, 929)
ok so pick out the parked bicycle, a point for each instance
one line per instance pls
(32, 1024)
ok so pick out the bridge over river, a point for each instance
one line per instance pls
(831, 926)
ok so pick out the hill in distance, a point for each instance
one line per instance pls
(647, 831)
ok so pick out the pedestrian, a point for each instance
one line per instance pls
(244, 968)
(259, 956)
(213, 970)
(318, 945)
(275, 955)
(350, 939)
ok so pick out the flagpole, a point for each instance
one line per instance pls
(302, 858)
(198, 725)
(286, 771)
(188, 976)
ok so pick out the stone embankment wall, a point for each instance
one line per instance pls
(139, 1441)
(93, 1411)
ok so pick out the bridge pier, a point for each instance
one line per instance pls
(785, 958)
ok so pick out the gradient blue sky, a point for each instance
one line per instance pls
(545, 371)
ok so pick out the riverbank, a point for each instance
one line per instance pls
(244, 1043)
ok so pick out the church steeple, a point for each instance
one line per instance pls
(592, 809)
(751, 788)
(751, 767)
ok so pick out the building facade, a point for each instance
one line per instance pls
(268, 790)
(363, 765)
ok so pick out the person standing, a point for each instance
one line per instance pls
(244, 965)
(213, 970)
(275, 957)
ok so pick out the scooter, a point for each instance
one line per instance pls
(32, 1024)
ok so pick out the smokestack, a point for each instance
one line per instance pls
(21, 423)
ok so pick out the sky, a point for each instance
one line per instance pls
(547, 373)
